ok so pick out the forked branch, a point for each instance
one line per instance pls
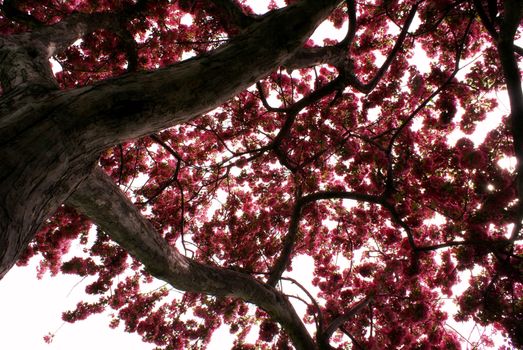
(339, 321)
(100, 199)
(284, 259)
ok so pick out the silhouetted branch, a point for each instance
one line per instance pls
(513, 14)
(353, 25)
(290, 239)
(443, 245)
(487, 22)
(367, 88)
(263, 98)
(357, 345)
(309, 295)
(333, 55)
(164, 144)
(399, 221)
(389, 182)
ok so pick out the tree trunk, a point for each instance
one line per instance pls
(51, 138)
(39, 168)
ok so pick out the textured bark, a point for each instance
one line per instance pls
(51, 139)
(24, 64)
(99, 198)
(40, 166)
(138, 104)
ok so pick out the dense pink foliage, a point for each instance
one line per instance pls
(225, 186)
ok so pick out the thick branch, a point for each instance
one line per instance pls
(512, 19)
(139, 104)
(99, 198)
(313, 56)
(487, 23)
(50, 138)
(24, 67)
(63, 34)
(24, 57)
(232, 14)
(335, 55)
(60, 36)
(353, 24)
(492, 245)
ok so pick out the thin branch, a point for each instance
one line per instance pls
(168, 183)
(266, 104)
(444, 245)
(354, 341)
(459, 334)
(293, 109)
(390, 57)
(332, 86)
(398, 220)
(313, 300)
(389, 182)
(164, 144)
(290, 239)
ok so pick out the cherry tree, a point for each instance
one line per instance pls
(212, 147)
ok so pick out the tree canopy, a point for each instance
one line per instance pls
(215, 148)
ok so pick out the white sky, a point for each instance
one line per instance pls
(31, 308)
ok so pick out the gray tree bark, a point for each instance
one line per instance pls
(99, 198)
(51, 139)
